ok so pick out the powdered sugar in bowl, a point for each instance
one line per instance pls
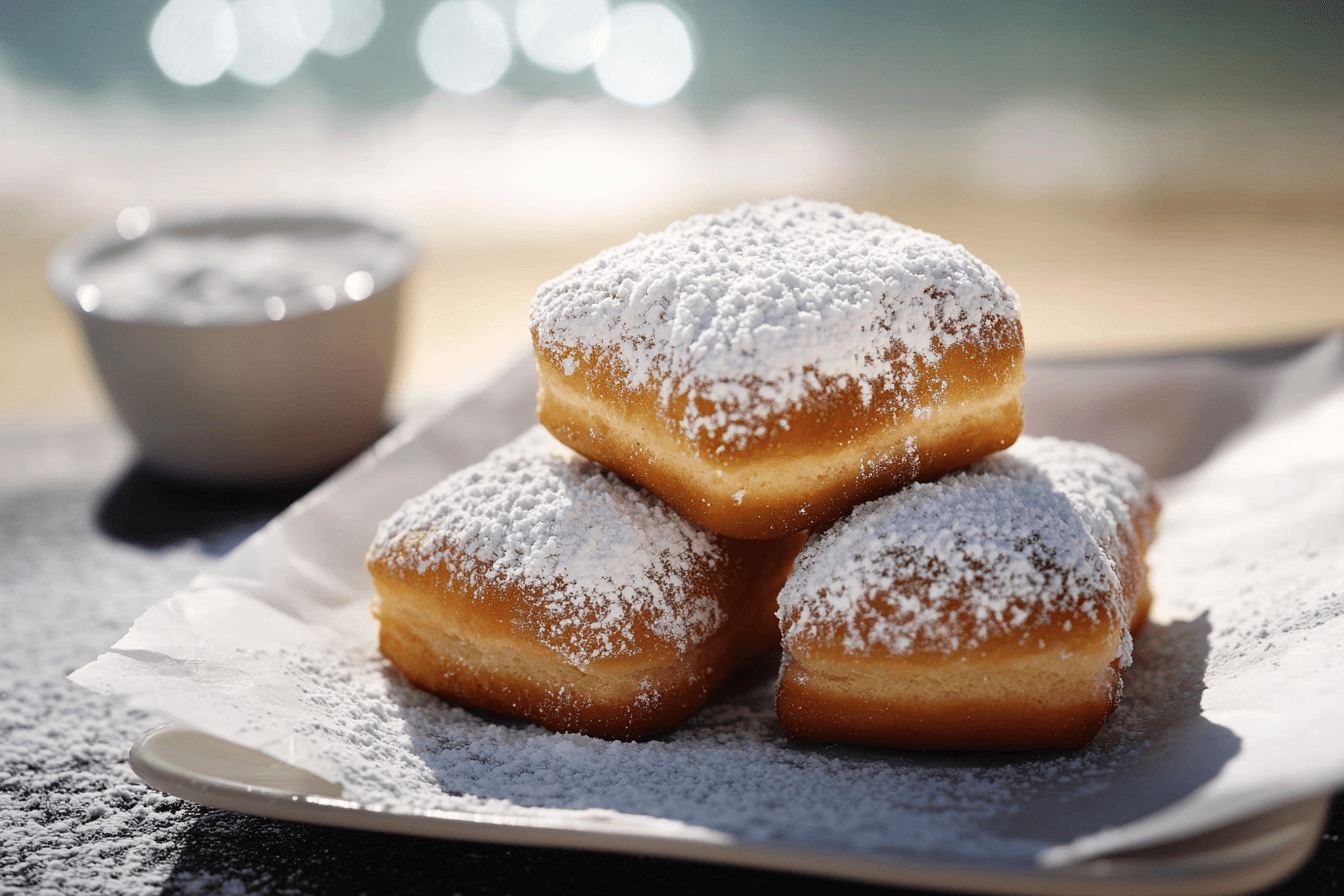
(241, 347)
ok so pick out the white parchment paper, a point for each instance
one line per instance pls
(1233, 705)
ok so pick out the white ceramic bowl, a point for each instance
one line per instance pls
(248, 387)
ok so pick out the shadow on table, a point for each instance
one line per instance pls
(225, 852)
(152, 510)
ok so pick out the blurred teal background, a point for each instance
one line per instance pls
(856, 56)
(1146, 175)
(1023, 99)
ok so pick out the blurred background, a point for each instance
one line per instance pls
(1148, 176)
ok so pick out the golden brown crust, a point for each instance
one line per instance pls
(1050, 688)
(458, 631)
(809, 465)
(1048, 679)
(765, 368)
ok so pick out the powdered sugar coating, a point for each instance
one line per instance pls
(1101, 486)
(748, 312)
(540, 518)
(1008, 544)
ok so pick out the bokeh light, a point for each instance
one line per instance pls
(325, 295)
(563, 35)
(353, 24)
(359, 285)
(89, 297)
(134, 221)
(464, 46)
(274, 36)
(193, 42)
(648, 58)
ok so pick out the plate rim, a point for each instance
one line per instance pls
(1242, 857)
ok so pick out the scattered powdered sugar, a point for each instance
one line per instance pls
(74, 818)
(1275, 527)
(1247, 611)
(542, 519)
(1012, 539)
(727, 770)
(1103, 487)
(755, 309)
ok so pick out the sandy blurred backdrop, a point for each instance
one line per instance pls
(1147, 176)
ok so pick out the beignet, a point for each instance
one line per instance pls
(993, 609)
(539, 586)
(764, 369)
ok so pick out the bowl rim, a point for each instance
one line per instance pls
(65, 261)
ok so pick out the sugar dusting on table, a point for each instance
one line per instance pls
(74, 818)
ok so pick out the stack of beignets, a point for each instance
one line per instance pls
(754, 375)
